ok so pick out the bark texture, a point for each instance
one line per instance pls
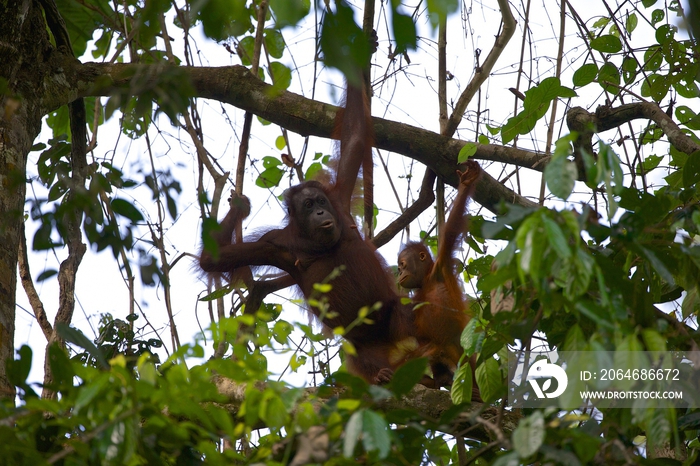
(25, 57)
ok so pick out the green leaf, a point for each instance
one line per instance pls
(494, 130)
(469, 337)
(353, 429)
(537, 101)
(585, 75)
(629, 69)
(147, 370)
(687, 88)
(691, 170)
(77, 338)
(659, 88)
(171, 205)
(566, 92)
(440, 9)
(488, 379)
(289, 12)
(313, 169)
(272, 410)
(281, 331)
(126, 209)
(601, 22)
(560, 175)
(407, 376)
(462, 387)
(529, 241)
(629, 353)
(578, 284)
(689, 422)
(220, 293)
(529, 435)
(272, 174)
(657, 16)
(274, 43)
(691, 303)
(609, 74)
(649, 164)
(513, 127)
(548, 90)
(281, 76)
(653, 340)
(653, 58)
(57, 191)
(507, 459)
(42, 237)
(556, 238)
(18, 369)
(375, 433)
(607, 44)
(631, 23)
(658, 426)
(246, 50)
(222, 19)
(575, 339)
(91, 390)
(665, 33)
(61, 367)
(59, 122)
(404, 31)
(343, 42)
(468, 150)
(596, 313)
(658, 265)
(612, 164)
(648, 3)
(81, 21)
(323, 287)
(46, 274)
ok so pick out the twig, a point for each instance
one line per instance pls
(483, 73)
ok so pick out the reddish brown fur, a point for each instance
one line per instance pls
(440, 304)
(310, 254)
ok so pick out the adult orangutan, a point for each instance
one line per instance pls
(321, 244)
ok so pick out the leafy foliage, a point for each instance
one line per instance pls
(600, 273)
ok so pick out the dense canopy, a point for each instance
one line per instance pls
(125, 125)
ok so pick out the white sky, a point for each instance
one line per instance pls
(410, 98)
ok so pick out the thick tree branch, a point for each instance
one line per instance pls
(236, 86)
(607, 118)
(427, 403)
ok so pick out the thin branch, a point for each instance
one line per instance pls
(553, 113)
(483, 72)
(248, 119)
(158, 238)
(425, 200)
(28, 284)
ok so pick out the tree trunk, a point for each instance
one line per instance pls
(24, 49)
